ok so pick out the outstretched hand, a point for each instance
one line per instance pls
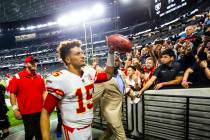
(185, 84)
(158, 86)
(139, 94)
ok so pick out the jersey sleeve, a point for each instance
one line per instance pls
(50, 103)
(54, 86)
(101, 77)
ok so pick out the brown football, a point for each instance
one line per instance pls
(121, 43)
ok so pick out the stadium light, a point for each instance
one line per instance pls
(125, 1)
(74, 18)
(41, 25)
(64, 20)
(98, 9)
(30, 27)
(82, 15)
(22, 28)
(51, 23)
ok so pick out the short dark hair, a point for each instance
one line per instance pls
(132, 67)
(64, 47)
(151, 58)
(169, 52)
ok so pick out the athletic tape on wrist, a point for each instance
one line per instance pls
(110, 60)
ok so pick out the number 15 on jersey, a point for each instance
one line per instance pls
(81, 107)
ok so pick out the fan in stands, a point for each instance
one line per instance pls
(121, 43)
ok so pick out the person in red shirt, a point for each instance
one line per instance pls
(27, 91)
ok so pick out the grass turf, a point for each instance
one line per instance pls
(14, 122)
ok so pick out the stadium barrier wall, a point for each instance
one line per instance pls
(172, 114)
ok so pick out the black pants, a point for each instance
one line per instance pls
(4, 122)
(32, 126)
(59, 117)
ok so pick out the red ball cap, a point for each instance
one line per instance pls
(30, 59)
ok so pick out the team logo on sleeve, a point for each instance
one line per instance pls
(56, 91)
(57, 73)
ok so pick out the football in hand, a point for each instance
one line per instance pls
(121, 43)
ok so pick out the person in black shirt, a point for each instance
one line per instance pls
(4, 122)
(169, 73)
(185, 56)
(199, 72)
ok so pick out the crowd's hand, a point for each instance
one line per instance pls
(203, 64)
(131, 94)
(135, 79)
(127, 90)
(187, 43)
(158, 86)
(142, 76)
(17, 114)
(185, 84)
(181, 40)
(139, 94)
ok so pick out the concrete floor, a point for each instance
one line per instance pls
(17, 133)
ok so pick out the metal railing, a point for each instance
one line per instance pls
(173, 114)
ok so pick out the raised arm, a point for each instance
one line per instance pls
(110, 63)
(203, 64)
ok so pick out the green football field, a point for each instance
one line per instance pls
(15, 122)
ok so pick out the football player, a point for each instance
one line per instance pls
(71, 89)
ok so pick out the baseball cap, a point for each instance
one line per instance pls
(29, 59)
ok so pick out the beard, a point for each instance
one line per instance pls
(32, 70)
